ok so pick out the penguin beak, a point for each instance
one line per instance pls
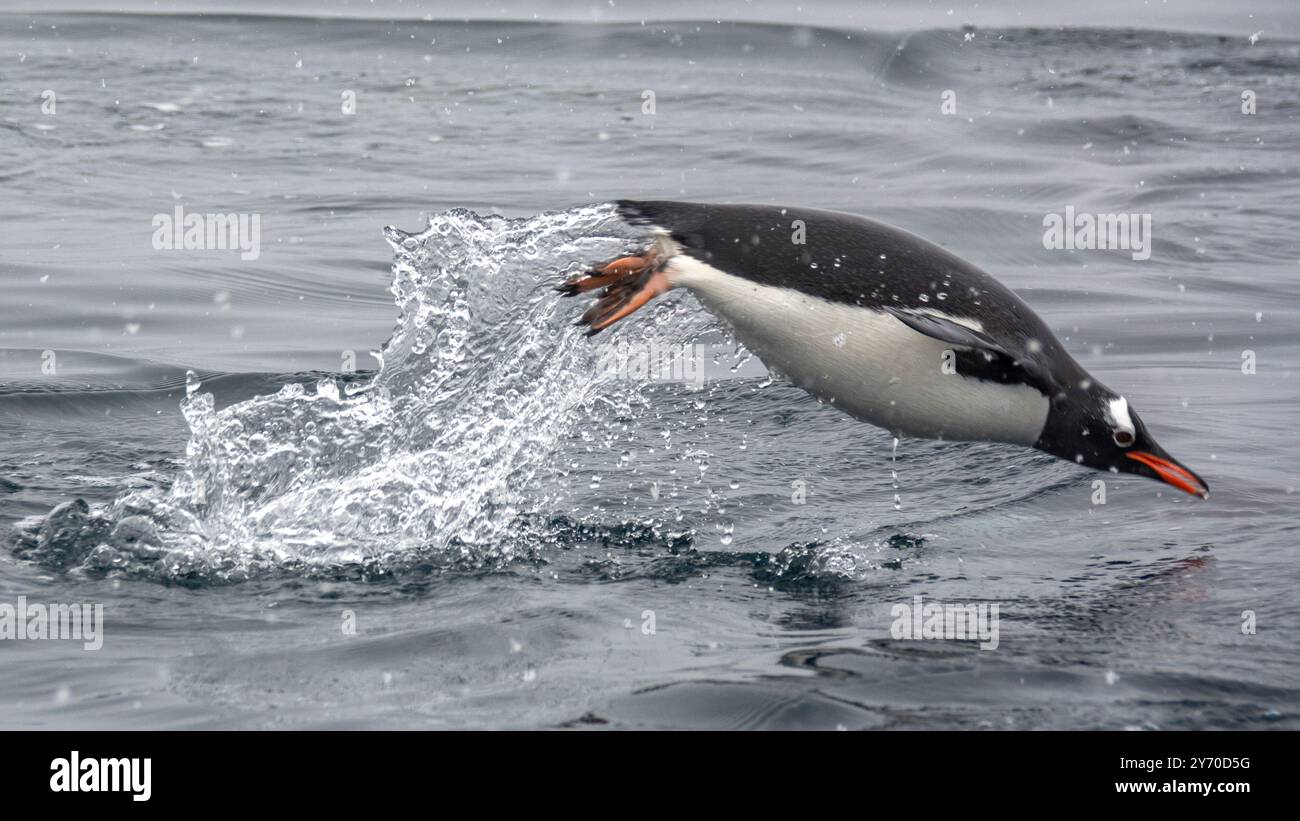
(1167, 470)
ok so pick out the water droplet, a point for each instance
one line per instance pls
(327, 389)
(257, 444)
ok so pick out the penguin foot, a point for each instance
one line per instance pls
(607, 274)
(628, 282)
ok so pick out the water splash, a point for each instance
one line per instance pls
(438, 455)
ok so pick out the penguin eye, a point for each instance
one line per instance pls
(1122, 438)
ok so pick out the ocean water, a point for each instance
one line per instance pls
(488, 526)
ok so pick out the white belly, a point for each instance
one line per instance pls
(866, 363)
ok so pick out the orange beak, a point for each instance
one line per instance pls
(1173, 473)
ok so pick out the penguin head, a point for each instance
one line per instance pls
(1095, 426)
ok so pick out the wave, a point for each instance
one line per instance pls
(842, 16)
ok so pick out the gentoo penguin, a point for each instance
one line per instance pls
(884, 325)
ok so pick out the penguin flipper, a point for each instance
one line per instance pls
(946, 330)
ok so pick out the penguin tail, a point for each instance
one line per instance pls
(626, 284)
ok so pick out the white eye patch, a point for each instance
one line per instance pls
(1117, 415)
